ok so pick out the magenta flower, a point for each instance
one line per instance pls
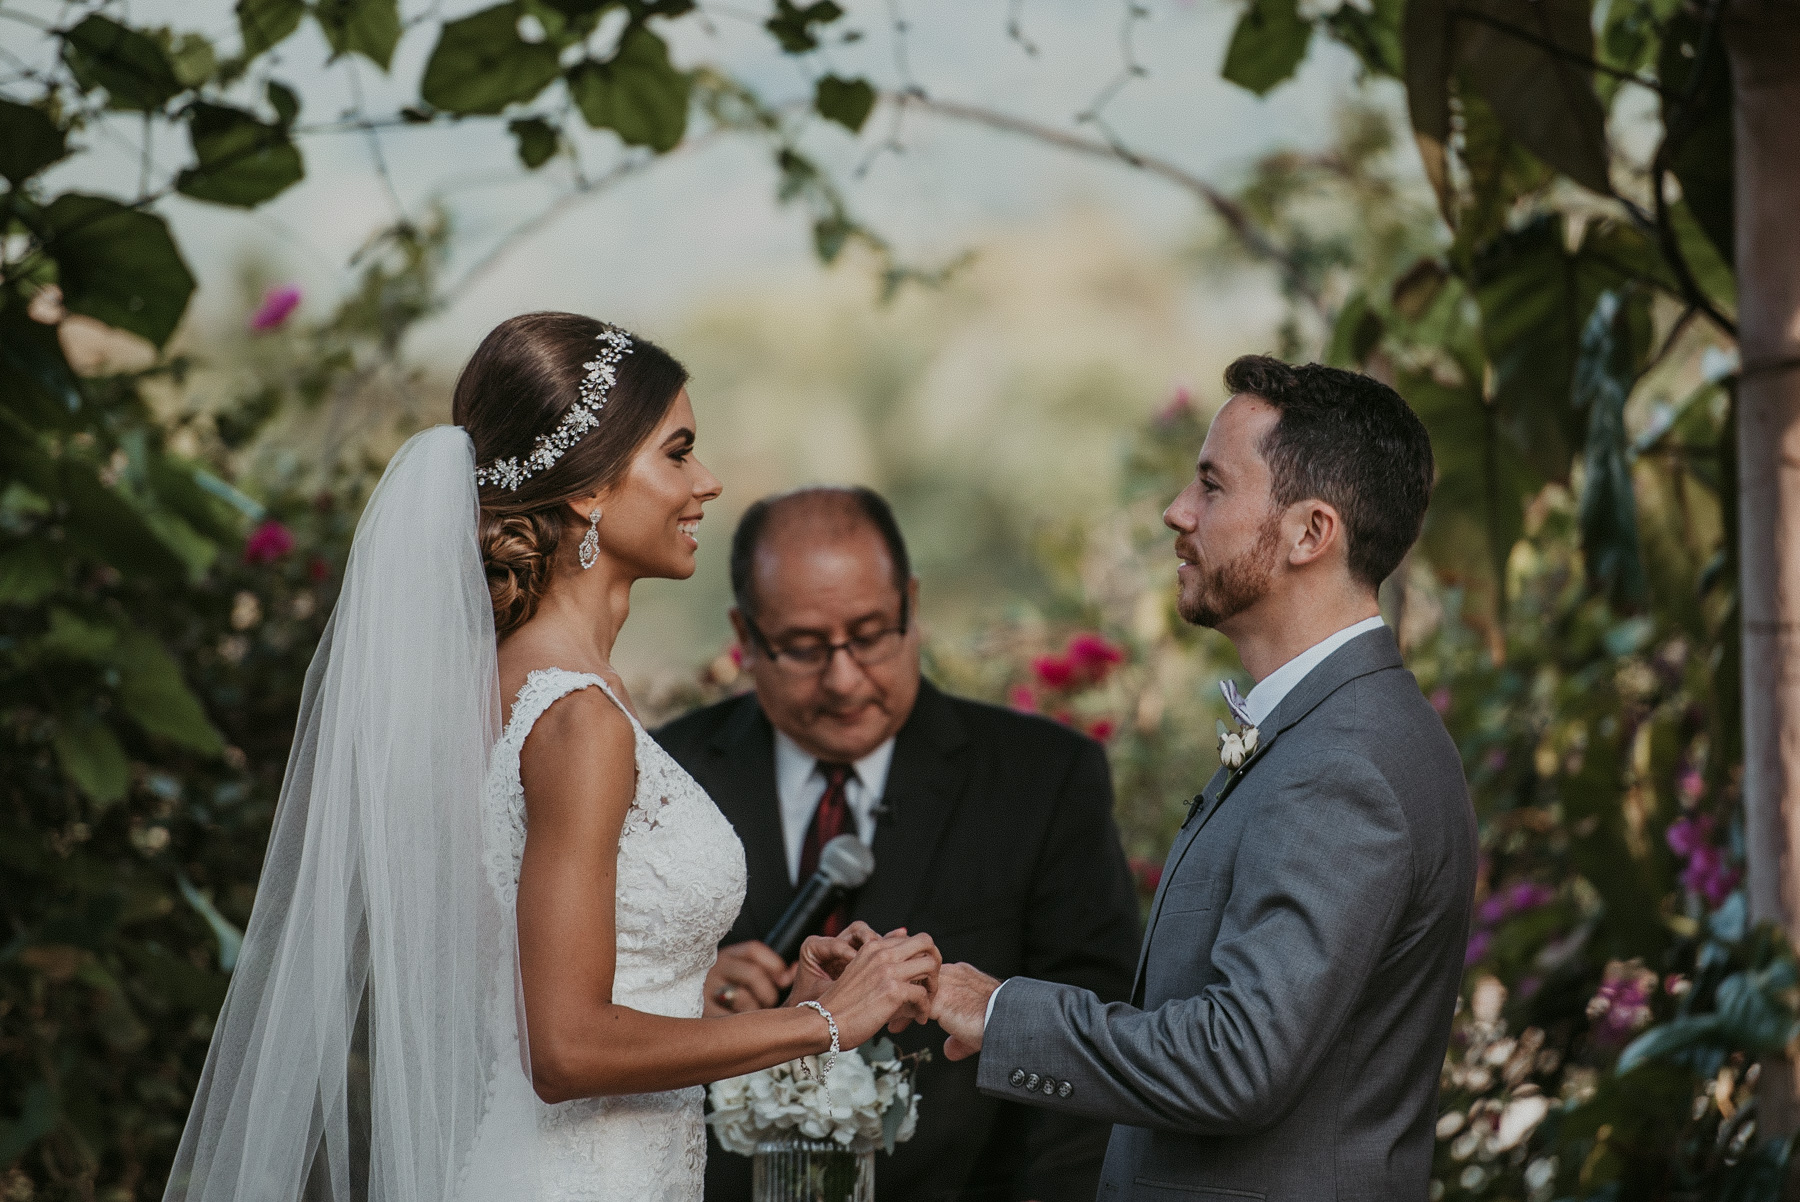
(1102, 730)
(1622, 1006)
(1528, 895)
(1178, 407)
(1492, 911)
(1689, 834)
(1479, 943)
(278, 304)
(1691, 784)
(1022, 699)
(1053, 671)
(1093, 657)
(1440, 700)
(267, 543)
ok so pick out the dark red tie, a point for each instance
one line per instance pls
(831, 819)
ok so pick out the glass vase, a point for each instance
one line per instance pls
(812, 1170)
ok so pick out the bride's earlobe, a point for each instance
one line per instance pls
(589, 550)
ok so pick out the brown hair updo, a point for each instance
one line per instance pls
(513, 391)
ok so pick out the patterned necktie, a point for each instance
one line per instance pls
(831, 819)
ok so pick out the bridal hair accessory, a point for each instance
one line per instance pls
(589, 550)
(582, 416)
(831, 1058)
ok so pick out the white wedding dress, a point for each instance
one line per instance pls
(681, 881)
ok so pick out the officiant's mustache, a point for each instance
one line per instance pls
(1215, 593)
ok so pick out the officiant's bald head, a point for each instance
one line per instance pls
(825, 602)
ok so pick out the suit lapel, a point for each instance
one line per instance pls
(743, 787)
(1366, 653)
(924, 783)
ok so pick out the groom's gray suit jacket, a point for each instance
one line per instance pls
(1300, 969)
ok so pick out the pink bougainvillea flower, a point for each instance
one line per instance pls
(1092, 656)
(1622, 1006)
(1179, 406)
(1479, 943)
(1524, 896)
(1102, 730)
(1053, 671)
(1022, 699)
(1063, 716)
(1440, 700)
(1691, 784)
(1688, 835)
(278, 304)
(1492, 910)
(267, 543)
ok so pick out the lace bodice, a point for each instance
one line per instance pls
(680, 885)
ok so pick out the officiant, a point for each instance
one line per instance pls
(991, 830)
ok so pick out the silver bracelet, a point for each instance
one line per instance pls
(831, 1058)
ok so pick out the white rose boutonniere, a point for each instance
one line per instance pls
(1236, 746)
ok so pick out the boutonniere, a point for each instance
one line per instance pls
(1236, 746)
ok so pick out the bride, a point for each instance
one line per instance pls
(475, 963)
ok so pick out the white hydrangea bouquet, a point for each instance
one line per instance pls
(868, 1100)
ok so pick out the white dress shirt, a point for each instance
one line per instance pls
(799, 783)
(1268, 694)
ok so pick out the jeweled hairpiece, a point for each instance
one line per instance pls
(582, 416)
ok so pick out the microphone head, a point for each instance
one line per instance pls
(845, 862)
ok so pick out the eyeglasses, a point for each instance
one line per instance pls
(812, 656)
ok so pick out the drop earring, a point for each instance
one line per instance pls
(589, 550)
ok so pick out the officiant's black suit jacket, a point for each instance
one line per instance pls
(998, 841)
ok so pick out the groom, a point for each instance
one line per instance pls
(1301, 964)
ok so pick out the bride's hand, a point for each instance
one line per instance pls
(823, 959)
(889, 982)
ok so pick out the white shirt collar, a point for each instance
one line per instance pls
(799, 785)
(1270, 691)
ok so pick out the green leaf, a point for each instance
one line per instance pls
(1357, 330)
(36, 381)
(231, 940)
(193, 58)
(91, 758)
(537, 140)
(1675, 1036)
(637, 93)
(28, 574)
(29, 142)
(242, 162)
(118, 265)
(152, 692)
(1374, 35)
(37, 1120)
(267, 23)
(131, 66)
(283, 100)
(1542, 97)
(793, 24)
(481, 65)
(370, 28)
(846, 101)
(1700, 126)
(1614, 345)
(1267, 46)
(73, 637)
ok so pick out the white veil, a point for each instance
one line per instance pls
(370, 1042)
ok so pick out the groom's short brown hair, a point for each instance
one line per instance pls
(1350, 441)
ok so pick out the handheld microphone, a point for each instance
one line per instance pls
(844, 864)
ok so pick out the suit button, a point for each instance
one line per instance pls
(1065, 1089)
(1031, 1082)
(1049, 1087)
(1018, 1076)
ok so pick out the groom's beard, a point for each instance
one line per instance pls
(1223, 592)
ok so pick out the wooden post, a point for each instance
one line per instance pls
(1763, 38)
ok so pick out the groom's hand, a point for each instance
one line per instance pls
(960, 1008)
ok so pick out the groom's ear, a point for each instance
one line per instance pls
(1316, 534)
